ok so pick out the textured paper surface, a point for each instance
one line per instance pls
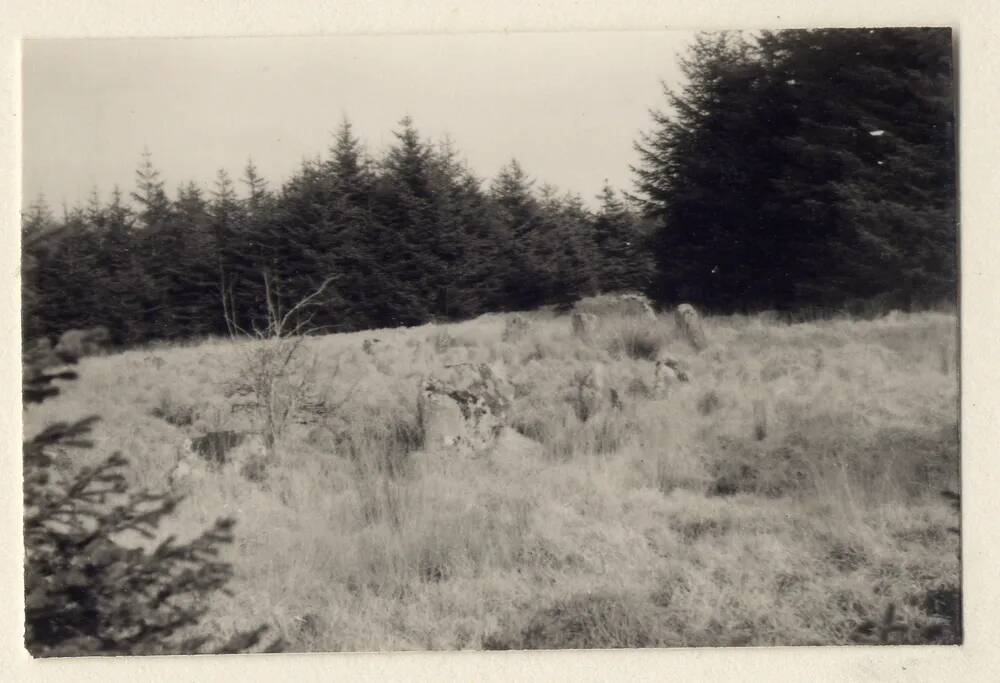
(977, 35)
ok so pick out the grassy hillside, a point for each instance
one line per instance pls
(785, 495)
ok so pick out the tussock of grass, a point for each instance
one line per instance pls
(635, 339)
(588, 621)
(357, 539)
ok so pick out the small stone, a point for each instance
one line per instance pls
(584, 325)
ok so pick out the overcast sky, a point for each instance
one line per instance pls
(567, 105)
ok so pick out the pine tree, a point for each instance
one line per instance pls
(154, 206)
(805, 168)
(36, 223)
(525, 280)
(227, 221)
(85, 592)
(195, 274)
(119, 271)
(253, 246)
(623, 254)
(159, 246)
(567, 242)
(404, 210)
(349, 243)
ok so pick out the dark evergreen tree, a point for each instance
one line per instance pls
(120, 273)
(196, 289)
(160, 249)
(85, 592)
(566, 246)
(624, 256)
(806, 168)
(404, 210)
(350, 243)
(253, 253)
(886, 151)
(525, 281)
(36, 224)
(226, 221)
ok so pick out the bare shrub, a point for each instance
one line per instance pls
(278, 380)
(275, 374)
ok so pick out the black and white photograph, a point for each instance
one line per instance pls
(578, 340)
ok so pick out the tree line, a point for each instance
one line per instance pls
(793, 169)
(410, 237)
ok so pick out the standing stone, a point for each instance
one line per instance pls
(590, 391)
(689, 322)
(666, 377)
(668, 373)
(584, 325)
(464, 408)
(637, 305)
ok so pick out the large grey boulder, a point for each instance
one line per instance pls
(464, 408)
(689, 323)
(623, 304)
(637, 305)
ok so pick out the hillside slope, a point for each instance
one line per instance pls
(785, 495)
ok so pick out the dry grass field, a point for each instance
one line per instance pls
(787, 494)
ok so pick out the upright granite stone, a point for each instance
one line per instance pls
(591, 392)
(668, 373)
(584, 325)
(620, 304)
(689, 323)
(637, 305)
